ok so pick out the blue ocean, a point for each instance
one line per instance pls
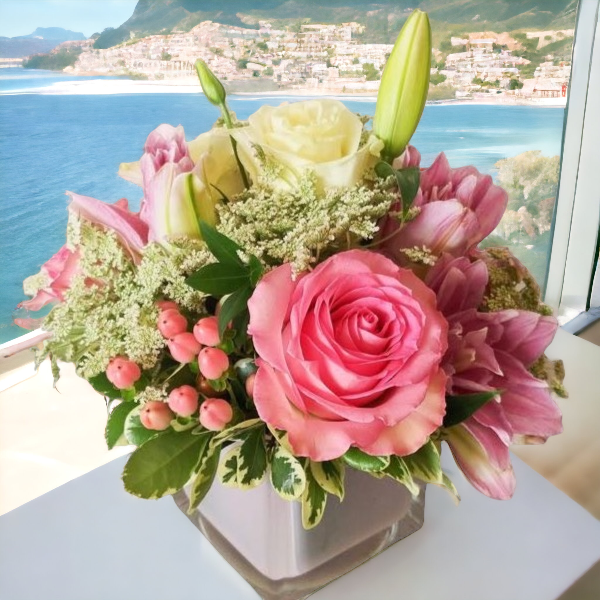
(53, 143)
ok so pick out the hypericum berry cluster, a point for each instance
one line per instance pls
(200, 344)
(186, 347)
(208, 398)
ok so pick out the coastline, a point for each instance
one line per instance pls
(103, 86)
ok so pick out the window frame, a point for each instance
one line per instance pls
(577, 215)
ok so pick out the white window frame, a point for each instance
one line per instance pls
(577, 215)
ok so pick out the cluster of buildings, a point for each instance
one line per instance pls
(321, 57)
(484, 67)
(316, 56)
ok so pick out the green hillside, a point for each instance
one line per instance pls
(382, 19)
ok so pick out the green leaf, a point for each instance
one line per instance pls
(330, 476)
(202, 482)
(256, 269)
(135, 432)
(398, 471)
(222, 248)
(459, 408)
(287, 474)
(240, 325)
(115, 426)
(384, 170)
(407, 181)
(103, 386)
(245, 465)
(163, 465)
(235, 305)
(314, 500)
(219, 279)
(365, 462)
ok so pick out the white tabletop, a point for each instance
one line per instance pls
(90, 540)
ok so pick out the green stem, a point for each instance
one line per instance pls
(229, 125)
(181, 366)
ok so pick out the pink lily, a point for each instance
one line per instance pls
(492, 351)
(166, 144)
(175, 195)
(129, 227)
(51, 284)
(458, 209)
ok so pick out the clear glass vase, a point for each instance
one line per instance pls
(262, 536)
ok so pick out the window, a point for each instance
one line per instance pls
(499, 99)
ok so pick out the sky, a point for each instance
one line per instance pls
(21, 17)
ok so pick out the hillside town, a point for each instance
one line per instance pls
(330, 59)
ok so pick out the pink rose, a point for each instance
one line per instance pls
(349, 355)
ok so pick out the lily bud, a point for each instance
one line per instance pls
(211, 86)
(404, 85)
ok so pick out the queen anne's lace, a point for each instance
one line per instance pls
(301, 226)
(110, 309)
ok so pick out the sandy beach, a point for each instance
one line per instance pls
(190, 85)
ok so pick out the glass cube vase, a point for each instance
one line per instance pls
(262, 536)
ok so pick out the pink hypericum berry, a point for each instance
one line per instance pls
(213, 362)
(122, 373)
(167, 305)
(183, 347)
(215, 413)
(171, 322)
(250, 384)
(183, 400)
(206, 331)
(156, 416)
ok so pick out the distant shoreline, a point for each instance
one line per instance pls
(103, 86)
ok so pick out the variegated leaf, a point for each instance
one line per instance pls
(281, 437)
(237, 431)
(424, 464)
(314, 500)
(245, 465)
(398, 471)
(449, 487)
(163, 465)
(205, 475)
(287, 474)
(365, 462)
(330, 476)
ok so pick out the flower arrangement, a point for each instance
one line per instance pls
(298, 296)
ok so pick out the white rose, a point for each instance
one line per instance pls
(213, 156)
(321, 136)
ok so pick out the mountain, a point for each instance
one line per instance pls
(42, 40)
(383, 18)
(56, 34)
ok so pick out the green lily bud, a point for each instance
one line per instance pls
(211, 86)
(404, 85)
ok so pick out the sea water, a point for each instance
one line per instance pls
(53, 143)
